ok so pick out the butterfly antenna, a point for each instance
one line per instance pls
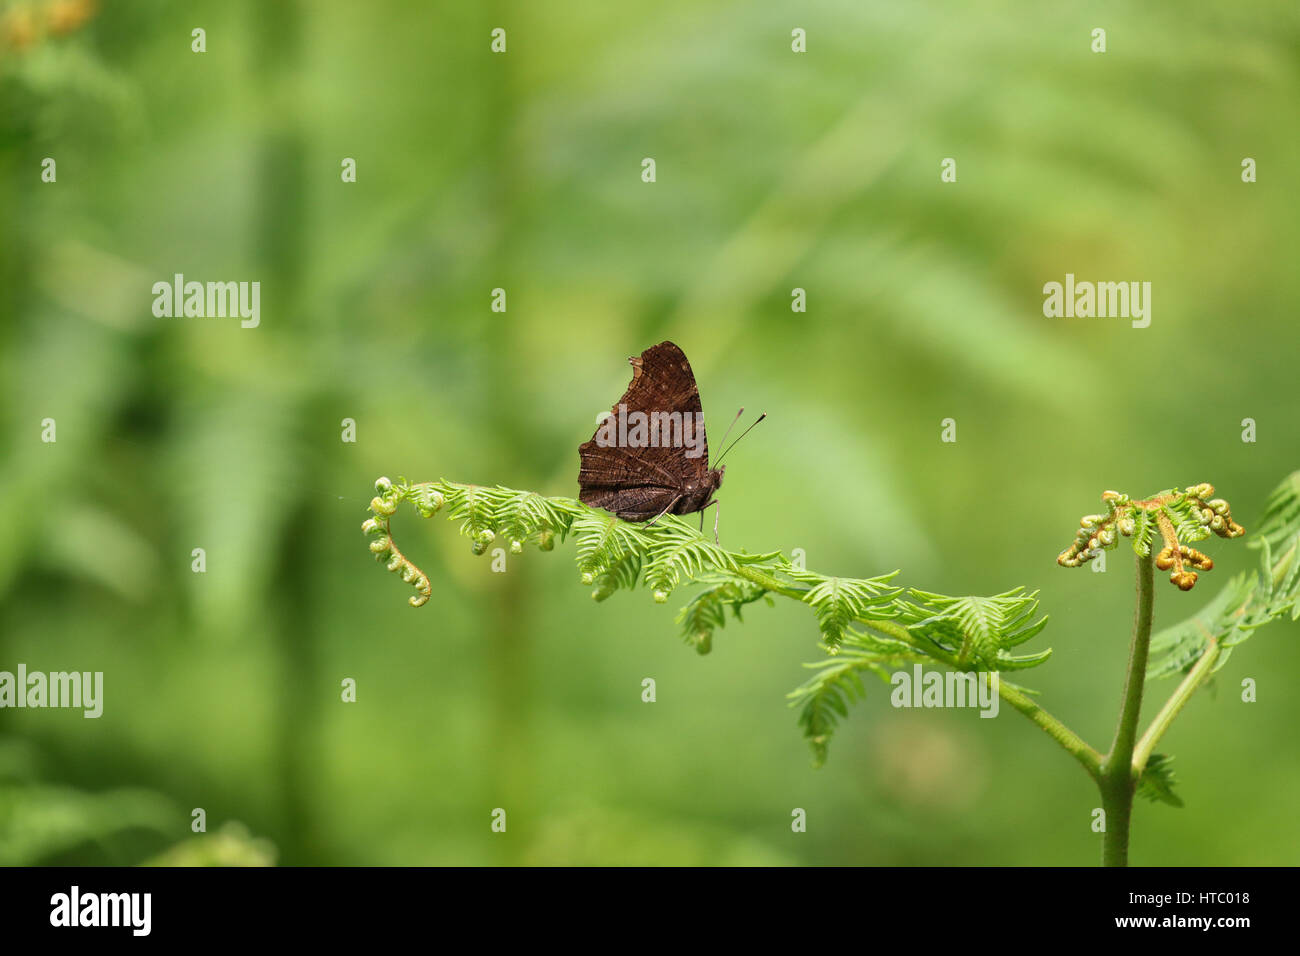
(733, 424)
(738, 437)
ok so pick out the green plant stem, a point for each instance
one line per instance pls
(769, 582)
(1073, 744)
(1117, 781)
(1195, 678)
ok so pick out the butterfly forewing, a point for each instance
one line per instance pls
(639, 481)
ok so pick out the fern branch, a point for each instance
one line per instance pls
(866, 625)
(1195, 679)
(901, 625)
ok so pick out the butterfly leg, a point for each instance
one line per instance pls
(716, 515)
(664, 512)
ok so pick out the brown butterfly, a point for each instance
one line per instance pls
(650, 456)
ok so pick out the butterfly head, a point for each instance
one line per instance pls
(697, 493)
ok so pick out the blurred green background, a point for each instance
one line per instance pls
(775, 170)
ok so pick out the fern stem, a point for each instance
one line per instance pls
(1076, 746)
(900, 633)
(768, 582)
(1116, 782)
(1071, 742)
(1197, 676)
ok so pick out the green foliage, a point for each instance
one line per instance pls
(979, 631)
(1144, 532)
(40, 820)
(824, 699)
(838, 602)
(1179, 515)
(1157, 781)
(610, 553)
(871, 625)
(602, 542)
(680, 554)
(232, 845)
(968, 633)
(1278, 537)
(1248, 600)
(707, 611)
(1176, 648)
(622, 574)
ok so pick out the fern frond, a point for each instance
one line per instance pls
(707, 611)
(979, 630)
(1175, 649)
(838, 602)
(970, 633)
(1188, 519)
(1180, 515)
(623, 574)
(526, 517)
(824, 699)
(601, 541)
(1281, 520)
(1246, 602)
(1279, 537)
(1157, 781)
(1144, 532)
(681, 553)
(477, 507)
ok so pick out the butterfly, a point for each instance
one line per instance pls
(650, 455)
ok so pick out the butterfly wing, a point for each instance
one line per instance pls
(639, 482)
